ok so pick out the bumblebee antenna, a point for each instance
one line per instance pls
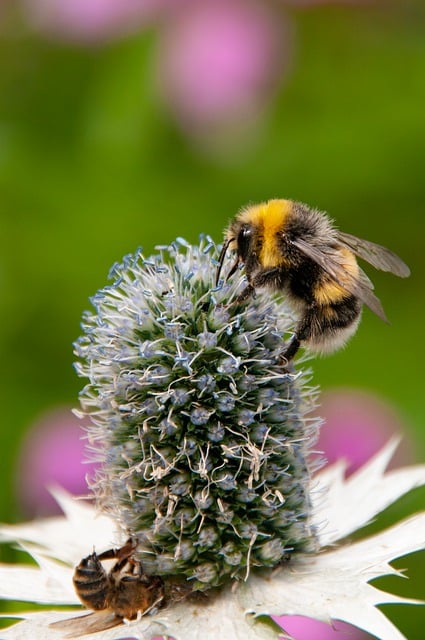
(221, 259)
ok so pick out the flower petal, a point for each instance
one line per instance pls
(223, 617)
(344, 505)
(67, 538)
(334, 585)
(36, 626)
(53, 585)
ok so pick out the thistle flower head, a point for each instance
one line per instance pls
(200, 433)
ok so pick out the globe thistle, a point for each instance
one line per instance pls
(201, 435)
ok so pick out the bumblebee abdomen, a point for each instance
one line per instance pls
(333, 325)
(327, 292)
(91, 583)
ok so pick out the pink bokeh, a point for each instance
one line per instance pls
(52, 454)
(220, 61)
(92, 21)
(302, 628)
(357, 424)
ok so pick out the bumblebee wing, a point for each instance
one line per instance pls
(329, 260)
(378, 256)
(89, 623)
(366, 295)
(367, 282)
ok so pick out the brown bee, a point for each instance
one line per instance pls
(126, 592)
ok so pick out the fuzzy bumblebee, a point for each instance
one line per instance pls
(289, 247)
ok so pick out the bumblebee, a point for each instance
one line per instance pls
(294, 249)
(126, 592)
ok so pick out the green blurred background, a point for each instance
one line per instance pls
(93, 164)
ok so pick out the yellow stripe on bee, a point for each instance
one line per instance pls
(330, 291)
(269, 218)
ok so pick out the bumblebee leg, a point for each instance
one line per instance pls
(265, 278)
(268, 278)
(108, 555)
(123, 556)
(245, 294)
(291, 350)
(122, 553)
(302, 332)
(135, 570)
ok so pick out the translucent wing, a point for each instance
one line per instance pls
(331, 262)
(378, 256)
(89, 623)
(365, 279)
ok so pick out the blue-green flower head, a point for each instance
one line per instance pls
(201, 434)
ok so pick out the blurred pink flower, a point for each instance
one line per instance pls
(357, 425)
(220, 61)
(51, 454)
(91, 20)
(301, 628)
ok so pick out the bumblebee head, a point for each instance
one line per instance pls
(254, 227)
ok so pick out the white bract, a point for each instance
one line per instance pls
(330, 584)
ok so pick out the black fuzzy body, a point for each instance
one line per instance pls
(328, 314)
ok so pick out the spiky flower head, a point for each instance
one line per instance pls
(201, 434)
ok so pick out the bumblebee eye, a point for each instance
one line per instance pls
(244, 241)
